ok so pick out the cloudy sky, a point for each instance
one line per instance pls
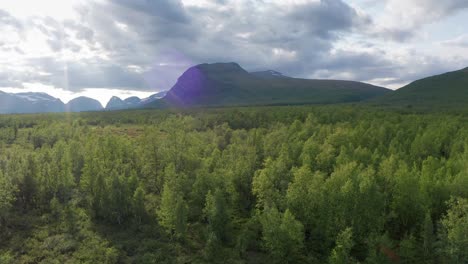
(101, 48)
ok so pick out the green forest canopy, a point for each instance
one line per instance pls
(237, 185)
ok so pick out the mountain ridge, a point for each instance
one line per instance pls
(228, 84)
(116, 103)
(269, 74)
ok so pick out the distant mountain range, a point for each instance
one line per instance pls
(29, 103)
(15, 103)
(228, 84)
(115, 103)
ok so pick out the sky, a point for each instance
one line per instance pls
(102, 48)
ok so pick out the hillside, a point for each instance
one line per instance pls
(448, 90)
(228, 84)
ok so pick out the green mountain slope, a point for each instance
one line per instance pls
(227, 84)
(448, 90)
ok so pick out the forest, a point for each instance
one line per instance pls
(303, 184)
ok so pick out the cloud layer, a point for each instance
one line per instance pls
(145, 45)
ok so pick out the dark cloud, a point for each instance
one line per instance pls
(149, 33)
(99, 75)
(164, 37)
(250, 34)
(370, 65)
(325, 17)
(169, 10)
(76, 76)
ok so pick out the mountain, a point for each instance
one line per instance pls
(115, 103)
(228, 84)
(270, 74)
(29, 103)
(82, 104)
(448, 90)
(132, 100)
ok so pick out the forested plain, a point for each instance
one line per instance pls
(305, 184)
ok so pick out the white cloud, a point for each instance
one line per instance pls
(59, 9)
(460, 41)
(403, 19)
